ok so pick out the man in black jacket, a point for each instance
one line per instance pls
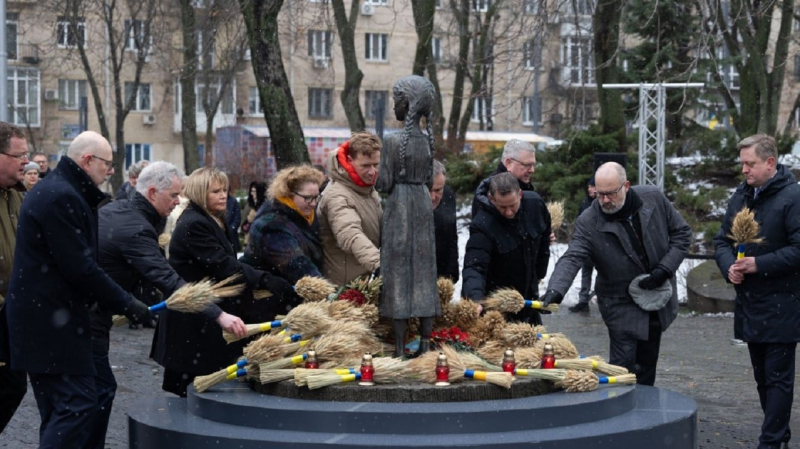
(130, 255)
(585, 294)
(443, 201)
(519, 159)
(767, 280)
(509, 244)
(55, 280)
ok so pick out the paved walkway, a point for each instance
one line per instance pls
(697, 359)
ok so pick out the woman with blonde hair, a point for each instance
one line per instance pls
(284, 236)
(189, 345)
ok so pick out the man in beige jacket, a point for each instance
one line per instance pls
(350, 210)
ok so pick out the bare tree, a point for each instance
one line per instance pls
(424, 13)
(188, 72)
(605, 28)
(352, 73)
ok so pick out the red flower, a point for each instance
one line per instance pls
(353, 295)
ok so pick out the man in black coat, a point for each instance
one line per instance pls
(767, 280)
(55, 280)
(519, 159)
(443, 201)
(130, 255)
(509, 244)
(585, 295)
(627, 232)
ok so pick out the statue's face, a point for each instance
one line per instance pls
(400, 106)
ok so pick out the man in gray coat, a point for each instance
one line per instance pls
(627, 232)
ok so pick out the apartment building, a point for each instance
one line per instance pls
(538, 71)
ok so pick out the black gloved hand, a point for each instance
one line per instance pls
(376, 274)
(657, 277)
(551, 297)
(280, 288)
(138, 312)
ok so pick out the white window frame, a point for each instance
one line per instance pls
(22, 102)
(143, 93)
(226, 106)
(480, 105)
(481, 5)
(377, 2)
(577, 75)
(139, 152)
(436, 49)
(254, 102)
(70, 93)
(376, 47)
(132, 35)
(319, 44)
(206, 61)
(438, 4)
(12, 35)
(369, 99)
(727, 70)
(314, 92)
(529, 50)
(528, 110)
(532, 6)
(63, 37)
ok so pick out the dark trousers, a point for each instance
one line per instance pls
(773, 369)
(66, 405)
(106, 388)
(638, 356)
(584, 296)
(13, 386)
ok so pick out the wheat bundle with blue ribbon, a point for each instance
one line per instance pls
(744, 230)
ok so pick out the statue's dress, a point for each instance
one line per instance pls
(408, 251)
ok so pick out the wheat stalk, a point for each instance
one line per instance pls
(262, 294)
(744, 229)
(446, 289)
(275, 375)
(493, 351)
(271, 347)
(554, 375)
(327, 379)
(163, 240)
(519, 335)
(556, 209)
(509, 300)
(578, 381)
(528, 358)
(314, 289)
(203, 383)
(252, 329)
(301, 375)
(624, 379)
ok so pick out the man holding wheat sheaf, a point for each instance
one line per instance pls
(758, 251)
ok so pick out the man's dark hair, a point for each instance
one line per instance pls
(764, 145)
(502, 184)
(7, 131)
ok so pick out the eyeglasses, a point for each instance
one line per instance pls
(309, 199)
(527, 166)
(108, 163)
(610, 195)
(22, 157)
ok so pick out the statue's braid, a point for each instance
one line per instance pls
(408, 126)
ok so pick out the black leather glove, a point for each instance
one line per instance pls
(551, 297)
(280, 288)
(138, 312)
(657, 278)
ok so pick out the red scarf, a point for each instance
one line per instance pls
(342, 157)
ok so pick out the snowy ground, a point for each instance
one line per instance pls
(556, 251)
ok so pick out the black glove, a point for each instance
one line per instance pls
(280, 288)
(137, 312)
(657, 278)
(551, 297)
(376, 274)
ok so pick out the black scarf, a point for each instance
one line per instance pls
(629, 218)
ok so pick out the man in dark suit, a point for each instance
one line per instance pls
(627, 232)
(443, 201)
(519, 159)
(54, 281)
(585, 295)
(767, 280)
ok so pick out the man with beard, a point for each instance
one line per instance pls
(627, 232)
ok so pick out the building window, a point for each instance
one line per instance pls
(438, 4)
(208, 92)
(320, 103)
(135, 152)
(319, 44)
(726, 69)
(137, 35)
(371, 99)
(577, 60)
(436, 49)
(376, 2)
(481, 5)
(12, 23)
(142, 101)
(797, 68)
(529, 110)
(205, 49)
(531, 54)
(22, 87)
(69, 33)
(70, 93)
(532, 6)
(579, 7)
(375, 47)
(483, 109)
(254, 102)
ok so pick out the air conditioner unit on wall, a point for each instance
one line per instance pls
(320, 63)
(51, 95)
(367, 9)
(149, 119)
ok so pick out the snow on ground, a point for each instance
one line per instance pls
(556, 251)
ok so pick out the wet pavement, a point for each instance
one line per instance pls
(697, 359)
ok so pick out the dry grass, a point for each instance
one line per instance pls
(506, 300)
(528, 358)
(262, 294)
(466, 313)
(745, 228)
(308, 319)
(493, 352)
(562, 347)
(553, 375)
(519, 335)
(556, 209)
(489, 327)
(578, 381)
(275, 375)
(314, 289)
(446, 290)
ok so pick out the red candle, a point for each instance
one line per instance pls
(509, 362)
(548, 357)
(367, 370)
(442, 371)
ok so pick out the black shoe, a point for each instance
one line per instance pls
(133, 326)
(580, 307)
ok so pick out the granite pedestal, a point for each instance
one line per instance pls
(232, 415)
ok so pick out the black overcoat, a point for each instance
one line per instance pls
(444, 225)
(56, 277)
(192, 342)
(767, 306)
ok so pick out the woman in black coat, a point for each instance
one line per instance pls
(190, 345)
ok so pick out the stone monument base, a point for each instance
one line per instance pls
(232, 415)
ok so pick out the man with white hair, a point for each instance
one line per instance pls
(55, 279)
(628, 233)
(519, 159)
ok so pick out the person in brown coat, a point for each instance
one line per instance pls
(350, 210)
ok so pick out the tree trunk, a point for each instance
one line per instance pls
(191, 158)
(605, 26)
(461, 8)
(424, 12)
(352, 73)
(286, 134)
